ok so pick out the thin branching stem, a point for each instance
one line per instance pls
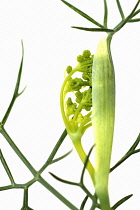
(37, 174)
(83, 14)
(86, 191)
(134, 20)
(94, 29)
(16, 91)
(84, 202)
(123, 22)
(105, 13)
(57, 194)
(6, 168)
(6, 187)
(85, 165)
(135, 13)
(81, 183)
(125, 157)
(25, 200)
(121, 201)
(82, 175)
(61, 157)
(17, 151)
(135, 144)
(34, 172)
(63, 180)
(130, 152)
(120, 9)
(94, 202)
(54, 151)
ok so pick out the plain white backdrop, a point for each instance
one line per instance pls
(35, 123)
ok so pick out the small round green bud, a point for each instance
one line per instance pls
(69, 69)
(80, 118)
(87, 108)
(69, 102)
(80, 58)
(86, 53)
(71, 107)
(85, 76)
(79, 96)
(76, 84)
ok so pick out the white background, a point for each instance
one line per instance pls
(35, 122)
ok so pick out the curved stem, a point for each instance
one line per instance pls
(16, 93)
(86, 120)
(79, 148)
(62, 98)
(86, 127)
(82, 14)
(78, 110)
(105, 13)
(120, 9)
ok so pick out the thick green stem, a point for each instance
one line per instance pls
(103, 122)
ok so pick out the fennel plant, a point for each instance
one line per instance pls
(92, 105)
(101, 94)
